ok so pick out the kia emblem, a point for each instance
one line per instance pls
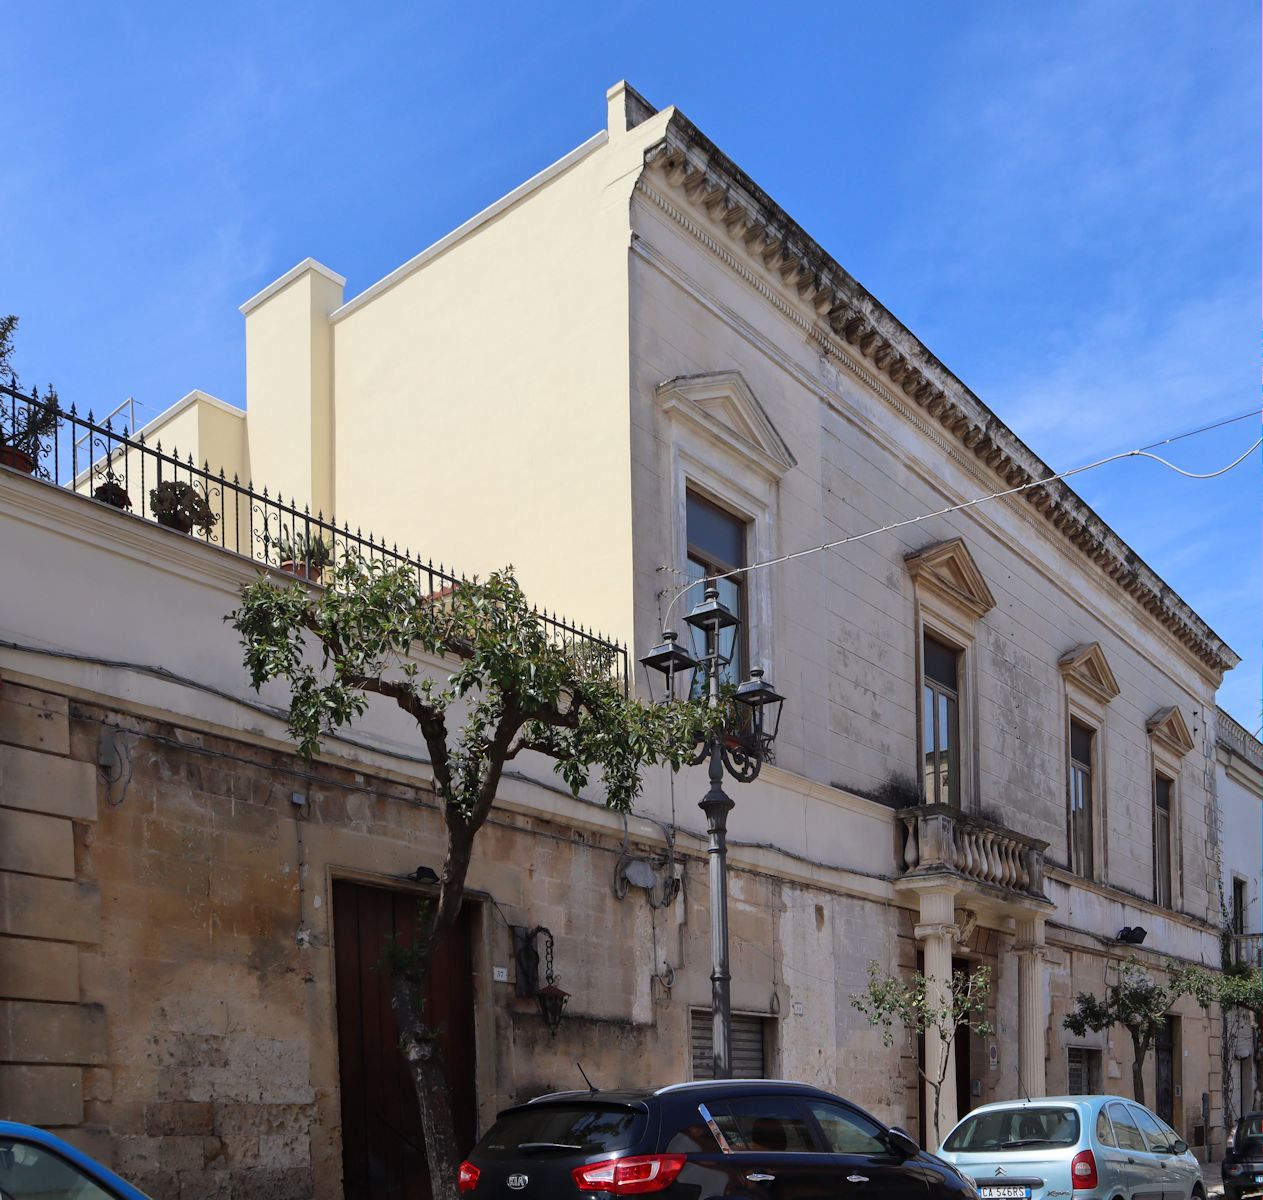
(517, 1182)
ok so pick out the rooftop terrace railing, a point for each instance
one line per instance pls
(120, 469)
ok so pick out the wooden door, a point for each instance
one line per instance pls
(1164, 1071)
(383, 1152)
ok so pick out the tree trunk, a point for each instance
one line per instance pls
(416, 1040)
(1139, 1047)
(421, 1052)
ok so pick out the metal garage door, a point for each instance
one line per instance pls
(748, 1061)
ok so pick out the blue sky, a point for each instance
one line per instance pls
(1061, 200)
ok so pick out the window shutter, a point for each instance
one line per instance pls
(748, 1060)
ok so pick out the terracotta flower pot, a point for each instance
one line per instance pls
(114, 495)
(19, 460)
(302, 570)
(175, 521)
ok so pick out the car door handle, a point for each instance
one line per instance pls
(857, 1179)
(1131, 1160)
(757, 1178)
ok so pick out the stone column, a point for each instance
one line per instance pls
(1032, 1019)
(936, 932)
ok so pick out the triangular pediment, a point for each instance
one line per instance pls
(1087, 666)
(721, 404)
(950, 568)
(1168, 726)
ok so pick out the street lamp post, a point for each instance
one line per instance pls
(739, 745)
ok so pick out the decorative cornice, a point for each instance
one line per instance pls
(950, 568)
(1168, 726)
(1088, 667)
(814, 291)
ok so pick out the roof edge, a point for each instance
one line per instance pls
(308, 264)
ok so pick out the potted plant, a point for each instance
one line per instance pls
(23, 429)
(179, 505)
(24, 425)
(303, 555)
(111, 492)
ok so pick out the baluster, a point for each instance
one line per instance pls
(995, 872)
(986, 854)
(1005, 869)
(911, 852)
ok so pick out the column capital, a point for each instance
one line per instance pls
(936, 929)
(1037, 950)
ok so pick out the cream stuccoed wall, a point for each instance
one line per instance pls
(289, 384)
(479, 391)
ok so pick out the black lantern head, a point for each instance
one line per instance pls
(672, 663)
(764, 704)
(714, 627)
(552, 1005)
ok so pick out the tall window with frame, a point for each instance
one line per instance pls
(716, 545)
(1082, 740)
(940, 721)
(1162, 791)
(1239, 905)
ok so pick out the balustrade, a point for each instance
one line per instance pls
(938, 837)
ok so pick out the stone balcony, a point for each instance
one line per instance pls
(939, 840)
(1247, 950)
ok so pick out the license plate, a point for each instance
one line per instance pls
(1004, 1191)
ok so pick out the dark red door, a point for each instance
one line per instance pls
(383, 1152)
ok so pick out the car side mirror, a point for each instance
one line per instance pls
(902, 1142)
(1179, 1146)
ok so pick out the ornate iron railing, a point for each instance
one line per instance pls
(118, 468)
(937, 838)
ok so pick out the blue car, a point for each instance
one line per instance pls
(34, 1163)
(1080, 1147)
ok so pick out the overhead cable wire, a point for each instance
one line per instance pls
(1139, 452)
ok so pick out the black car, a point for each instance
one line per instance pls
(755, 1139)
(1243, 1164)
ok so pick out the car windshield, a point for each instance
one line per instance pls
(1249, 1137)
(563, 1128)
(1014, 1129)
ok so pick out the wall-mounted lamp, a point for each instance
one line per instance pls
(423, 875)
(1132, 935)
(550, 998)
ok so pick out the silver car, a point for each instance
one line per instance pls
(1077, 1147)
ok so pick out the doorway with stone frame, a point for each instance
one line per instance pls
(383, 1151)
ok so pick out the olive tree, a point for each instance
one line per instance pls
(506, 687)
(1139, 1004)
(918, 1006)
